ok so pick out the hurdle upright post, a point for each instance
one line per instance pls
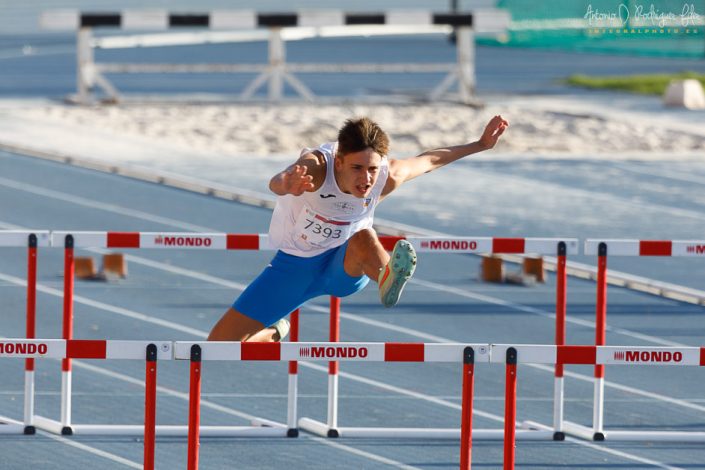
(333, 369)
(293, 430)
(67, 335)
(510, 409)
(150, 406)
(465, 44)
(194, 407)
(466, 408)
(31, 325)
(600, 340)
(561, 298)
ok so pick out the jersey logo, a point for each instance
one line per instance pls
(326, 196)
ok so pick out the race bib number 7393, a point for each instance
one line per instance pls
(318, 230)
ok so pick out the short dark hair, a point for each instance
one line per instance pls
(359, 134)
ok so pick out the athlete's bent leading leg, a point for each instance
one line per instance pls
(366, 255)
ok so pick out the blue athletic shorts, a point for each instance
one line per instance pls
(289, 281)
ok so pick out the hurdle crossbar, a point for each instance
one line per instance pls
(32, 239)
(199, 352)
(296, 25)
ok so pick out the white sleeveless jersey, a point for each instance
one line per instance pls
(314, 222)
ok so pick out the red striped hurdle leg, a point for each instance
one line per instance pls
(510, 410)
(194, 415)
(293, 379)
(466, 410)
(600, 340)
(150, 407)
(333, 369)
(67, 335)
(30, 333)
(561, 304)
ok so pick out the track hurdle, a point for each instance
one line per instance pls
(162, 240)
(276, 72)
(149, 351)
(475, 245)
(32, 240)
(513, 355)
(198, 352)
(601, 248)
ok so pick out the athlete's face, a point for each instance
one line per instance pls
(356, 173)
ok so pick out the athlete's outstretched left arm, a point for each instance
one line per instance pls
(401, 171)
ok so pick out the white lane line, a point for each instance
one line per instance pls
(624, 455)
(484, 414)
(165, 390)
(240, 414)
(623, 388)
(616, 452)
(103, 306)
(612, 199)
(91, 450)
(115, 209)
(539, 312)
(361, 453)
(663, 173)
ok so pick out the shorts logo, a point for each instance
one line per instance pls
(648, 356)
(182, 241)
(333, 352)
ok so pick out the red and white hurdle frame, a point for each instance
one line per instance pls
(163, 240)
(474, 245)
(32, 239)
(149, 351)
(198, 352)
(603, 248)
(467, 354)
(562, 355)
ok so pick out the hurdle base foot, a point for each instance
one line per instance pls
(333, 433)
(30, 430)
(559, 436)
(67, 431)
(598, 436)
(293, 432)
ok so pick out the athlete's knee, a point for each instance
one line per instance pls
(364, 237)
(234, 326)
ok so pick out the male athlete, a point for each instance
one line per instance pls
(322, 227)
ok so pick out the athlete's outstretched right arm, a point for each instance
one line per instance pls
(307, 174)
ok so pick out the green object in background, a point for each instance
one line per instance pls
(566, 25)
(653, 84)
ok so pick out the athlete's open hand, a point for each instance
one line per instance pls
(296, 181)
(494, 129)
